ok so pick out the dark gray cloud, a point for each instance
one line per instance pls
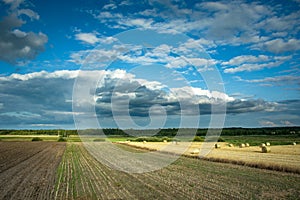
(15, 44)
(46, 98)
(130, 96)
(37, 100)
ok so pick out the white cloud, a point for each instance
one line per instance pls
(253, 63)
(99, 57)
(21, 115)
(286, 123)
(215, 6)
(277, 80)
(232, 19)
(90, 38)
(224, 23)
(65, 74)
(201, 62)
(246, 59)
(280, 45)
(267, 123)
(108, 40)
(19, 34)
(13, 3)
(252, 67)
(29, 13)
(196, 44)
(278, 23)
(48, 94)
(110, 6)
(125, 3)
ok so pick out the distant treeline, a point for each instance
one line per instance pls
(38, 132)
(170, 132)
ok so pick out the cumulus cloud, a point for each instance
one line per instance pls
(32, 98)
(17, 45)
(90, 38)
(45, 98)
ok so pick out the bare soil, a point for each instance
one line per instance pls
(28, 169)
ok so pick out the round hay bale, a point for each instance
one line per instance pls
(242, 145)
(230, 145)
(195, 151)
(268, 144)
(266, 149)
(262, 145)
(247, 145)
(165, 141)
(144, 142)
(294, 143)
(217, 146)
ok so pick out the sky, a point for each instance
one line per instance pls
(151, 64)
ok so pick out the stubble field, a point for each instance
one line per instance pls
(281, 157)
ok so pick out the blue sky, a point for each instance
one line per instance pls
(151, 64)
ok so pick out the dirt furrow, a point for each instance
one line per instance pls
(14, 156)
(34, 177)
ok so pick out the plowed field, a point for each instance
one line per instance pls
(28, 169)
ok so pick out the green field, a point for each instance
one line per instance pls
(253, 140)
(20, 138)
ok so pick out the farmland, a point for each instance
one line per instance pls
(27, 169)
(282, 157)
(66, 170)
(81, 176)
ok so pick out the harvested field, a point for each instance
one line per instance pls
(80, 176)
(281, 157)
(50, 170)
(27, 169)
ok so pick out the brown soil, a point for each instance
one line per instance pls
(28, 169)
